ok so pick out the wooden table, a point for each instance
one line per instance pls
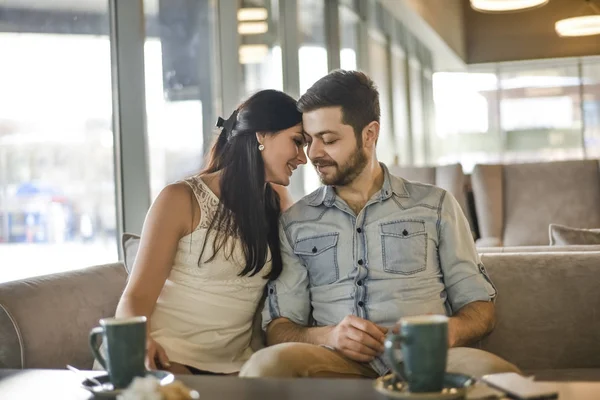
(65, 385)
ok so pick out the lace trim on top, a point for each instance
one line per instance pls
(207, 200)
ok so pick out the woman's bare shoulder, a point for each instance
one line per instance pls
(177, 202)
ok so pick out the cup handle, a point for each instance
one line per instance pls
(390, 347)
(94, 333)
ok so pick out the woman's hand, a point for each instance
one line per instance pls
(154, 353)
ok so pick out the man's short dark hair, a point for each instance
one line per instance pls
(353, 91)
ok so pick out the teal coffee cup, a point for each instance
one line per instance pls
(423, 341)
(125, 343)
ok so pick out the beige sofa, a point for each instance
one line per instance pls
(538, 249)
(516, 203)
(546, 316)
(45, 321)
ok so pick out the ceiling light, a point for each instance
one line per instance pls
(506, 5)
(252, 14)
(584, 25)
(579, 26)
(253, 53)
(252, 28)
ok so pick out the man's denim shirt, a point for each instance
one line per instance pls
(408, 252)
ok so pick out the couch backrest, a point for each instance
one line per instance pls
(539, 249)
(449, 177)
(546, 309)
(45, 321)
(516, 203)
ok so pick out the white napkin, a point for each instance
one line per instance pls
(145, 388)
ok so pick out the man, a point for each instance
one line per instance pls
(365, 250)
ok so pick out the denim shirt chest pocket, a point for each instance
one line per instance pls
(404, 246)
(319, 255)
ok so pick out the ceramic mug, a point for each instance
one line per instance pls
(423, 341)
(125, 343)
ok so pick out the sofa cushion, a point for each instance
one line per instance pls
(537, 249)
(487, 183)
(131, 245)
(561, 235)
(52, 315)
(545, 313)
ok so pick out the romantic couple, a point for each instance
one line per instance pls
(340, 267)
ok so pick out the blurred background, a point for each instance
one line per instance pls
(104, 102)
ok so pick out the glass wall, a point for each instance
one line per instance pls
(540, 111)
(428, 114)
(260, 49)
(591, 105)
(58, 206)
(468, 128)
(57, 185)
(349, 28)
(313, 49)
(518, 112)
(379, 57)
(417, 112)
(180, 73)
(312, 56)
(400, 106)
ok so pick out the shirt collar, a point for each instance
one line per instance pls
(391, 185)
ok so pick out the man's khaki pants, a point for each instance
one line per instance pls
(307, 360)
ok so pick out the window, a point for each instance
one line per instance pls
(591, 106)
(417, 112)
(260, 50)
(540, 110)
(348, 38)
(313, 50)
(468, 130)
(518, 112)
(313, 62)
(180, 87)
(57, 186)
(378, 53)
(401, 117)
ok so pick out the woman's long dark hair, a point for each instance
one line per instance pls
(249, 208)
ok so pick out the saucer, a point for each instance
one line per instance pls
(455, 387)
(107, 390)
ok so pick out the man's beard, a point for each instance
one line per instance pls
(346, 173)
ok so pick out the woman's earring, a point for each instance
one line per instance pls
(261, 147)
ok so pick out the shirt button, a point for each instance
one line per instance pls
(314, 249)
(360, 262)
(271, 291)
(360, 304)
(405, 232)
(359, 283)
(358, 230)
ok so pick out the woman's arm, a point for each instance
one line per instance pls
(167, 221)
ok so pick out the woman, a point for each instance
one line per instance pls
(210, 243)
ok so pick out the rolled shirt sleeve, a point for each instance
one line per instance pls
(465, 277)
(288, 296)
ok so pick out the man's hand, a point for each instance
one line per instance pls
(357, 338)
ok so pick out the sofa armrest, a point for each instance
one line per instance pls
(45, 320)
(11, 351)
